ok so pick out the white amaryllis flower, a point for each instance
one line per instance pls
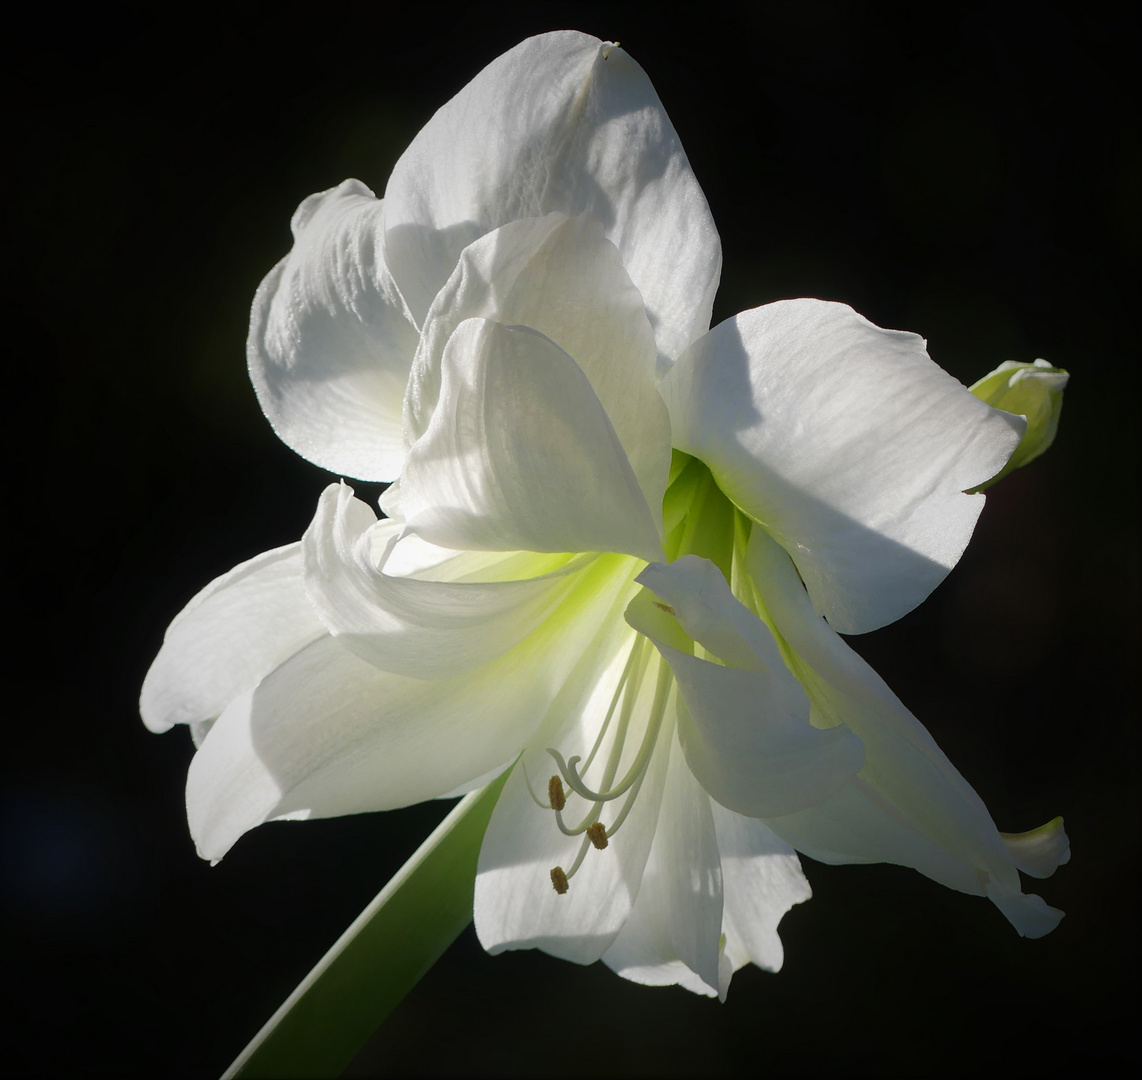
(611, 550)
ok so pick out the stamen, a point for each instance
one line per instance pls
(661, 693)
(632, 666)
(664, 607)
(594, 833)
(560, 877)
(638, 766)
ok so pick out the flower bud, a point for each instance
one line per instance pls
(1031, 390)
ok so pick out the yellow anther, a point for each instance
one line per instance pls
(555, 793)
(559, 879)
(597, 834)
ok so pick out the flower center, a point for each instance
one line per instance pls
(573, 771)
(699, 520)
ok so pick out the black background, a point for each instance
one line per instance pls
(966, 171)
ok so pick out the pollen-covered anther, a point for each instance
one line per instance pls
(597, 834)
(559, 880)
(555, 793)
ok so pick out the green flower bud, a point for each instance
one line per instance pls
(1031, 390)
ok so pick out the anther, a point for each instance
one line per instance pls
(664, 607)
(597, 834)
(555, 793)
(559, 879)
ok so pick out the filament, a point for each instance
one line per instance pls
(590, 827)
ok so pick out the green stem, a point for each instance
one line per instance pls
(381, 957)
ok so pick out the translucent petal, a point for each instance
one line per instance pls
(331, 342)
(847, 443)
(745, 731)
(520, 455)
(227, 639)
(568, 123)
(677, 917)
(909, 804)
(560, 276)
(409, 626)
(761, 881)
(516, 906)
(327, 733)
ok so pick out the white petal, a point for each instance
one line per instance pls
(847, 443)
(674, 930)
(424, 629)
(560, 276)
(228, 638)
(562, 122)
(745, 731)
(331, 341)
(516, 906)
(761, 881)
(520, 455)
(855, 826)
(327, 733)
(708, 612)
(1041, 851)
(1028, 913)
(909, 804)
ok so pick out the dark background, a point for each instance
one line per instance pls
(969, 172)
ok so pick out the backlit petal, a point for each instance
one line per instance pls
(409, 626)
(761, 881)
(847, 443)
(908, 804)
(520, 455)
(560, 276)
(327, 733)
(745, 730)
(516, 906)
(561, 122)
(331, 342)
(675, 927)
(227, 639)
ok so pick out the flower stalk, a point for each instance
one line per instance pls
(383, 954)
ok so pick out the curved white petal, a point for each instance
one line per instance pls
(331, 342)
(856, 826)
(847, 443)
(422, 628)
(1040, 852)
(674, 930)
(520, 455)
(327, 733)
(227, 639)
(562, 277)
(1028, 913)
(761, 881)
(706, 609)
(516, 906)
(745, 730)
(909, 804)
(561, 122)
